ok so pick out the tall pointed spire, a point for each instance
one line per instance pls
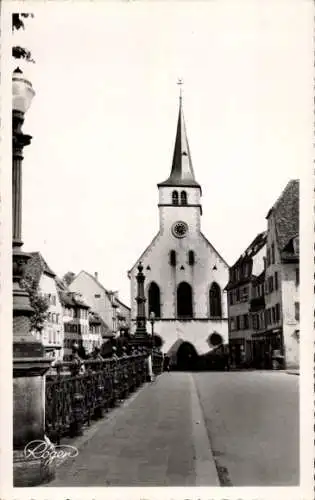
(182, 173)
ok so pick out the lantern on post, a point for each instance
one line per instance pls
(29, 362)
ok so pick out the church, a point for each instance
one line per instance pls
(185, 276)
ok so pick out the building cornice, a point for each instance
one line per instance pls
(212, 320)
(273, 331)
(232, 285)
(197, 205)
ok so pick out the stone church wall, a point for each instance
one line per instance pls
(196, 332)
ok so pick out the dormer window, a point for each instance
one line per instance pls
(173, 258)
(191, 257)
(183, 198)
(175, 198)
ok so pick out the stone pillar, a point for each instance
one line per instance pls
(140, 337)
(141, 317)
(29, 362)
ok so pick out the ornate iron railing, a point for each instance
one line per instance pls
(76, 395)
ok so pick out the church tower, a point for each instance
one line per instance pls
(179, 195)
(185, 275)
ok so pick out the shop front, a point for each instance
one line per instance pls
(237, 353)
(267, 349)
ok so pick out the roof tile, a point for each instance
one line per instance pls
(286, 214)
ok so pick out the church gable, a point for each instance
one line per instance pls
(145, 254)
(220, 258)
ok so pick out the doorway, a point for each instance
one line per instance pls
(187, 357)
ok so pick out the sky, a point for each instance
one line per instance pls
(104, 120)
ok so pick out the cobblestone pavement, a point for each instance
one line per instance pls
(157, 439)
(252, 419)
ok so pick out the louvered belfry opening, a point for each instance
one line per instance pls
(175, 198)
(183, 198)
(184, 300)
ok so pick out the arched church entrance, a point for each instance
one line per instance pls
(187, 357)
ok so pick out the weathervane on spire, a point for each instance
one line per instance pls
(180, 83)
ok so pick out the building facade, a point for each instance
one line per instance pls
(52, 334)
(185, 275)
(282, 277)
(75, 321)
(243, 307)
(123, 317)
(104, 302)
(263, 291)
(99, 332)
(261, 357)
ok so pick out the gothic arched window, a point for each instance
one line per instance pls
(183, 198)
(191, 257)
(173, 258)
(154, 302)
(184, 300)
(175, 198)
(215, 301)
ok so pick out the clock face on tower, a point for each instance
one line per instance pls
(179, 229)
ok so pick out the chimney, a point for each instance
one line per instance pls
(96, 276)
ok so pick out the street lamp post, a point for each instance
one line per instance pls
(152, 320)
(29, 362)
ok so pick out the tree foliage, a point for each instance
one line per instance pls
(39, 303)
(19, 52)
(158, 341)
(215, 339)
(17, 20)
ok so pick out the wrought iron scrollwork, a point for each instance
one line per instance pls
(75, 396)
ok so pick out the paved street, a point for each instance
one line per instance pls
(253, 422)
(165, 434)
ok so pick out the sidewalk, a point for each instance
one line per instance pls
(293, 372)
(158, 438)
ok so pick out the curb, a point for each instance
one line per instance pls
(205, 467)
(292, 373)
